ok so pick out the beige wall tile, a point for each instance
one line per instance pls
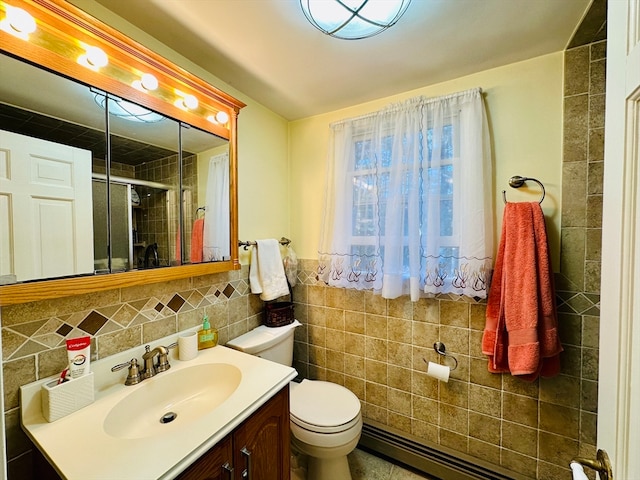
(454, 419)
(485, 400)
(399, 330)
(576, 62)
(558, 419)
(519, 463)
(485, 428)
(557, 449)
(454, 314)
(354, 322)
(376, 326)
(520, 409)
(520, 439)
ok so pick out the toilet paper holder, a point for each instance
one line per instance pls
(441, 349)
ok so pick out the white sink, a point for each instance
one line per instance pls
(171, 400)
(120, 435)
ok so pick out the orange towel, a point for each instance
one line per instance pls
(521, 331)
(197, 240)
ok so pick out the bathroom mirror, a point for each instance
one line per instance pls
(120, 197)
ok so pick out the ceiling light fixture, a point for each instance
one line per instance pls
(353, 19)
(18, 23)
(127, 110)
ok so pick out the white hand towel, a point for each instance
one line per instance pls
(578, 471)
(266, 272)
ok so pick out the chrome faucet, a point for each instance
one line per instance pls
(136, 375)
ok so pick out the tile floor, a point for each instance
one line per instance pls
(363, 466)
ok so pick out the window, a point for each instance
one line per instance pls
(408, 204)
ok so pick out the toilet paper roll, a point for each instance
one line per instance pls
(188, 346)
(441, 372)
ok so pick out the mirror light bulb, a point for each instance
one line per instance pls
(185, 101)
(219, 118)
(97, 57)
(18, 23)
(146, 83)
(94, 58)
(190, 102)
(222, 117)
(149, 82)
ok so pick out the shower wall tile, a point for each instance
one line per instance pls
(576, 127)
(576, 62)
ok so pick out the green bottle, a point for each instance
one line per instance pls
(207, 337)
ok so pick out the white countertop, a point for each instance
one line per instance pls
(80, 449)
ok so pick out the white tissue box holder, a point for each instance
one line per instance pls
(59, 400)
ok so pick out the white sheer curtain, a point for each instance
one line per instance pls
(216, 245)
(408, 200)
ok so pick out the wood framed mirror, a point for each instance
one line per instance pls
(146, 182)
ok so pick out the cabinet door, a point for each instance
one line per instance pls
(261, 444)
(216, 464)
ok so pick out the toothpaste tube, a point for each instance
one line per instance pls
(78, 351)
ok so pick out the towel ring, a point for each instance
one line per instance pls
(517, 181)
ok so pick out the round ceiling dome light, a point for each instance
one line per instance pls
(353, 19)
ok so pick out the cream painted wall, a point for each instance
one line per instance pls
(263, 177)
(524, 106)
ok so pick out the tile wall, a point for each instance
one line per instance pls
(376, 348)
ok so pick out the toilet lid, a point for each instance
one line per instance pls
(322, 404)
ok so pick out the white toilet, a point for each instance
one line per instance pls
(326, 421)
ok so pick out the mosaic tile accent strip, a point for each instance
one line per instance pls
(41, 335)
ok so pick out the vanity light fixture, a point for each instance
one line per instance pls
(147, 83)
(61, 38)
(93, 58)
(353, 19)
(18, 23)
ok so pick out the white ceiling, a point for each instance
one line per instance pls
(267, 49)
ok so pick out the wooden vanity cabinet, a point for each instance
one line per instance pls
(258, 449)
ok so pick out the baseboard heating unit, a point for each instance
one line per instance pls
(434, 460)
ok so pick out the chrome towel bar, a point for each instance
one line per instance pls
(247, 244)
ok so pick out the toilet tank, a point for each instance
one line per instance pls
(271, 343)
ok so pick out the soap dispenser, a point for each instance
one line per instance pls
(207, 337)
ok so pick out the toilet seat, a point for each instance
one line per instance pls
(323, 407)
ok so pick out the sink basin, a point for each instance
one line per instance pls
(171, 400)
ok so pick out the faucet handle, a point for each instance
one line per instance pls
(163, 359)
(134, 377)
